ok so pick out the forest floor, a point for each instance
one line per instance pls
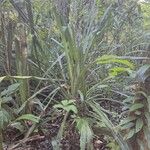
(44, 139)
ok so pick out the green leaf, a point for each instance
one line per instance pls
(11, 89)
(21, 77)
(142, 93)
(139, 125)
(148, 100)
(67, 102)
(19, 126)
(86, 134)
(29, 117)
(136, 106)
(102, 86)
(72, 108)
(28, 77)
(59, 106)
(118, 70)
(67, 107)
(127, 120)
(147, 115)
(5, 118)
(128, 99)
(109, 59)
(113, 145)
(143, 73)
(2, 78)
(6, 99)
(81, 96)
(138, 112)
(130, 134)
(22, 107)
(127, 126)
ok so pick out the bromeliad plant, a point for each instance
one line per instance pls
(77, 73)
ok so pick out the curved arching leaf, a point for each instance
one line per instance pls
(143, 73)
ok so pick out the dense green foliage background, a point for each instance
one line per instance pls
(84, 63)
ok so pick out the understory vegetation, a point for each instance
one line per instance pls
(74, 75)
